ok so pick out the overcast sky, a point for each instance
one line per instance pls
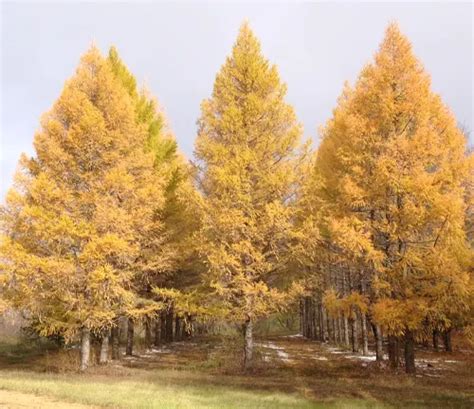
(177, 48)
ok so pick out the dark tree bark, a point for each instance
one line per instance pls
(177, 329)
(85, 348)
(393, 351)
(324, 324)
(409, 352)
(169, 325)
(355, 334)
(435, 340)
(448, 346)
(157, 337)
(147, 334)
(130, 335)
(164, 337)
(114, 335)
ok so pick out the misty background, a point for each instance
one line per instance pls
(176, 49)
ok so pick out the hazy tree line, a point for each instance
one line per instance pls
(369, 236)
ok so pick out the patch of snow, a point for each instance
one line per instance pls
(320, 358)
(295, 336)
(163, 350)
(279, 350)
(449, 361)
(283, 355)
(362, 357)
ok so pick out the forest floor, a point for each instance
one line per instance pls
(290, 372)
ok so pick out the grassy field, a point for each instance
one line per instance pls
(290, 373)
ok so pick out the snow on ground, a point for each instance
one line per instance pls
(294, 336)
(280, 351)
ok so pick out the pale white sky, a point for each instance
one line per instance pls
(177, 49)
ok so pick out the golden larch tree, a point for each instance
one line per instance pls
(73, 224)
(394, 168)
(246, 152)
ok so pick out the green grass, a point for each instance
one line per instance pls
(158, 394)
(205, 373)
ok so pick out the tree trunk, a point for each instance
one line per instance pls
(378, 343)
(188, 326)
(324, 324)
(147, 334)
(177, 329)
(85, 348)
(335, 331)
(157, 339)
(340, 330)
(169, 325)
(114, 335)
(301, 311)
(130, 334)
(330, 332)
(409, 352)
(104, 349)
(164, 337)
(355, 334)
(365, 335)
(435, 340)
(346, 331)
(447, 341)
(248, 348)
(393, 351)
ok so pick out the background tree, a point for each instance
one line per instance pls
(168, 257)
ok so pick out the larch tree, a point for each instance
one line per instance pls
(73, 224)
(394, 169)
(168, 256)
(247, 160)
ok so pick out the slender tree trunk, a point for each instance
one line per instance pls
(114, 335)
(301, 311)
(340, 330)
(324, 323)
(157, 335)
(188, 326)
(130, 335)
(85, 348)
(435, 340)
(104, 349)
(164, 336)
(378, 343)
(409, 352)
(365, 335)
(393, 351)
(346, 331)
(147, 334)
(177, 329)
(448, 346)
(329, 327)
(354, 335)
(248, 348)
(169, 325)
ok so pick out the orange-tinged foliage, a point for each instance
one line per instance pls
(393, 168)
(246, 148)
(74, 223)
